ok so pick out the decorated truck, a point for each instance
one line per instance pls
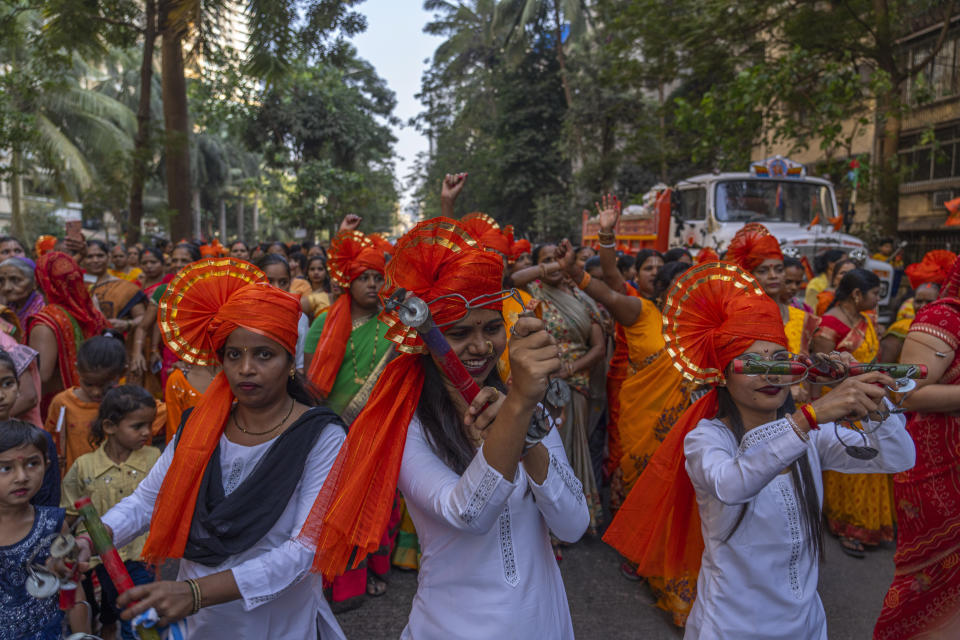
(707, 210)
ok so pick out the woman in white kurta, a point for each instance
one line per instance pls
(512, 580)
(233, 488)
(732, 497)
(762, 582)
(279, 598)
(483, 493)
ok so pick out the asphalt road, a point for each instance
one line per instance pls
(606, 606)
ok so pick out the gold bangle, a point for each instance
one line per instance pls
(195, 592)
(606, 237)
(584, 281)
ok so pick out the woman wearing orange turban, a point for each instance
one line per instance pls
(757, 252)
(230, 493)
(714, 505)
(345, 352)
(926, 278)
(482, 499)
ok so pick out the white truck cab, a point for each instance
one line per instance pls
(707, 210)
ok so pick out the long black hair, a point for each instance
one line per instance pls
(855, 280)
(326, 278)
(665, 277)
(441, 420)
(800, 472)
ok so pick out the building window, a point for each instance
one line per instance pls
(923, 160)
(940, 78)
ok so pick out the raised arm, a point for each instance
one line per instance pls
(449, 191)
(608, 211)
(625, 309)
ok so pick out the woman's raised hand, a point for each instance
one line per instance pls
(608, 212)
(565, 256)
(350, 222)
(854, 398)
(534, 357)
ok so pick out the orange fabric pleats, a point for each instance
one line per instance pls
(352, 509)
(332, 345)
(173, 513)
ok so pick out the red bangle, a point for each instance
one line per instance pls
(811, 416)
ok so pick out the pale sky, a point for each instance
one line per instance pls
(395, 44)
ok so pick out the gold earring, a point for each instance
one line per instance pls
(293, 372)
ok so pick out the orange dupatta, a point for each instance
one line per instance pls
(713, 314)
(202, 306)
(436, 258)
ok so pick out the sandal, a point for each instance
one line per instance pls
(376, 586)
(852, 548)
(629, 571)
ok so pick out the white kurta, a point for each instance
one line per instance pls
(488, 570)
(762, 583)
(281, 598)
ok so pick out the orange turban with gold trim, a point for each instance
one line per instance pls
(751, 246)
(487, 232)
(933, 269)
(351, 254)
(436, 258)
(713, 313)
(202, 306)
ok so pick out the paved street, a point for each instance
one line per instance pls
(605, 605)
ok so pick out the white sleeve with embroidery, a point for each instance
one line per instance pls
(895, 446)
(560, 498)
(471, 502)
(763, 453)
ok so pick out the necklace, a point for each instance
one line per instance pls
(236, 421)
(853, 319)
(373, 360)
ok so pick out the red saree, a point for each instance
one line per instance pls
(924, 599)
(69, 337)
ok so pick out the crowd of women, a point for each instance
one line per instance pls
(264, 416)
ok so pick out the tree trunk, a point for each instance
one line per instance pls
(16, 196)
(240, 220)
(888, 176)
(177, 122)
(256, 217)
(561, 57)
(141, 143)
(662, 132)
(223, 221)
(197, 231)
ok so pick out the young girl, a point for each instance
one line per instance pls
(49, 492)
(109, 474)
(277, 270)
(25, 532)
(101, 362)
(319, 298)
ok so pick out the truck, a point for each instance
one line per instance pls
(707, 210)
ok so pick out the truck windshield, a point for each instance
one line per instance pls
(765, 200)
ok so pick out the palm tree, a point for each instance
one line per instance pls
(71, 121)
(569, 15)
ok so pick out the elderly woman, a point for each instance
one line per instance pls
(57, 330)
(230, 493)
(18, 286)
